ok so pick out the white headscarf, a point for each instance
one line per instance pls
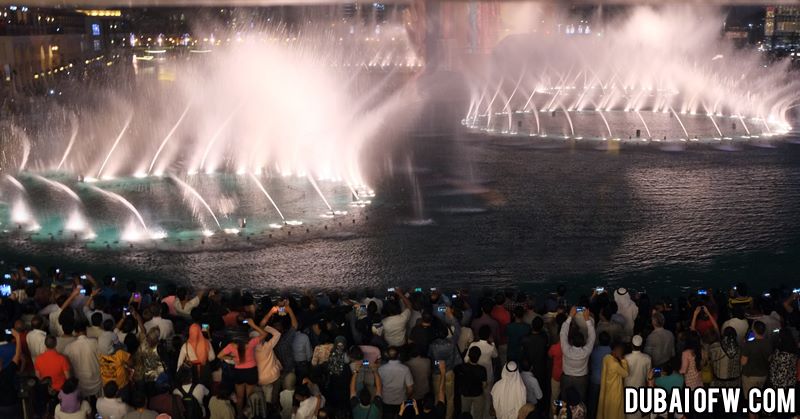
(508, 394)
(626, 308)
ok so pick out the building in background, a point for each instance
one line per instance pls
(782, 30)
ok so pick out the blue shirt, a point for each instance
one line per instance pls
(7, 351)
(596, 363)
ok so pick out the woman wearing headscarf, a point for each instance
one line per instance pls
(725, 357)
(508, 394)
(626, 308)
(615, 369)
(196, 353)
(338, 377)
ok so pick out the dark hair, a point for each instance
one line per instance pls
(693, 344)
(108, 325)
(224, 391)
(241, 348)
(37, 322)
(537, 324)
(487, 305)
(97, 319)
(786, 342)
(519, 312)
(364, 397)
(575, 337)
(110, 389)
(138, 400)
(759, 327)
(70, 386)
(50, 342)
(302, 390)
(604, 339)
(474, 354)
(484, 332)
(392, 353)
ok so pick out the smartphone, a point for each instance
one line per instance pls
(365, 362)
(126, 311)
(442, 309)
(656, 372)
(363, 307)
(83, 276)
(702, 292)
(153, 288)
(776, 330)
(8, 331)
(599, 289)
(7, 276)
(204, 327)
(113, 279)
(417, 289)
(767, 295)
(751, 336)
(453, 296)
(5, 290)
(796, 291)
(580, 309)
(281, 309)
(137, 296)
(244, 321)
(558, 403)
(27, 269)
(390, 289)
(436, 363)
(29, 281)
(433, 289)
(58, 270)
(83, 291)
(409, 403)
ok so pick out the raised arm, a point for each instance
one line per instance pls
(403, 298)
(18, 346)
(442, 372)
(75, 291)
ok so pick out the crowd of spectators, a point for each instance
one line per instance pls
(75, 346)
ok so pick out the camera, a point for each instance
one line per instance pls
(365, 362)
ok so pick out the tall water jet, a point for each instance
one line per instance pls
(566, 113)
(711, 116)
(217, 134)
(16, 183)
(168, 136)
(58, 186)
(114, 146)
(680, 122)
(72, 138)
(321, 195)
(26, 146)
(264, 191)
(646, 128)
(605, 121)
(119, 198)
(193, 192)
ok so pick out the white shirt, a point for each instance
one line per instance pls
(112, 408)
(638, 366)
(35, 340)
(186, 310)
(105, 343)
(394, 328)
(740, 325)
(532, 389)
(200, 392)
(55, 326)
(82, 354)
(488, 351)
(576, 360)
(307, 408)
(187, 353)
(82, 413)
(164, 326)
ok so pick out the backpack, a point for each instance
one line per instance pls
(191, 407)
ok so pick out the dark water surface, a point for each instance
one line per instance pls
(502, 213)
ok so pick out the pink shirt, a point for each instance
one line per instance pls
(249, 353)
(170, 302)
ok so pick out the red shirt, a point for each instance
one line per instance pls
(503, 318)
(558, 361)
(54, 365)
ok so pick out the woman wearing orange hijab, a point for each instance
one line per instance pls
(196, 352)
